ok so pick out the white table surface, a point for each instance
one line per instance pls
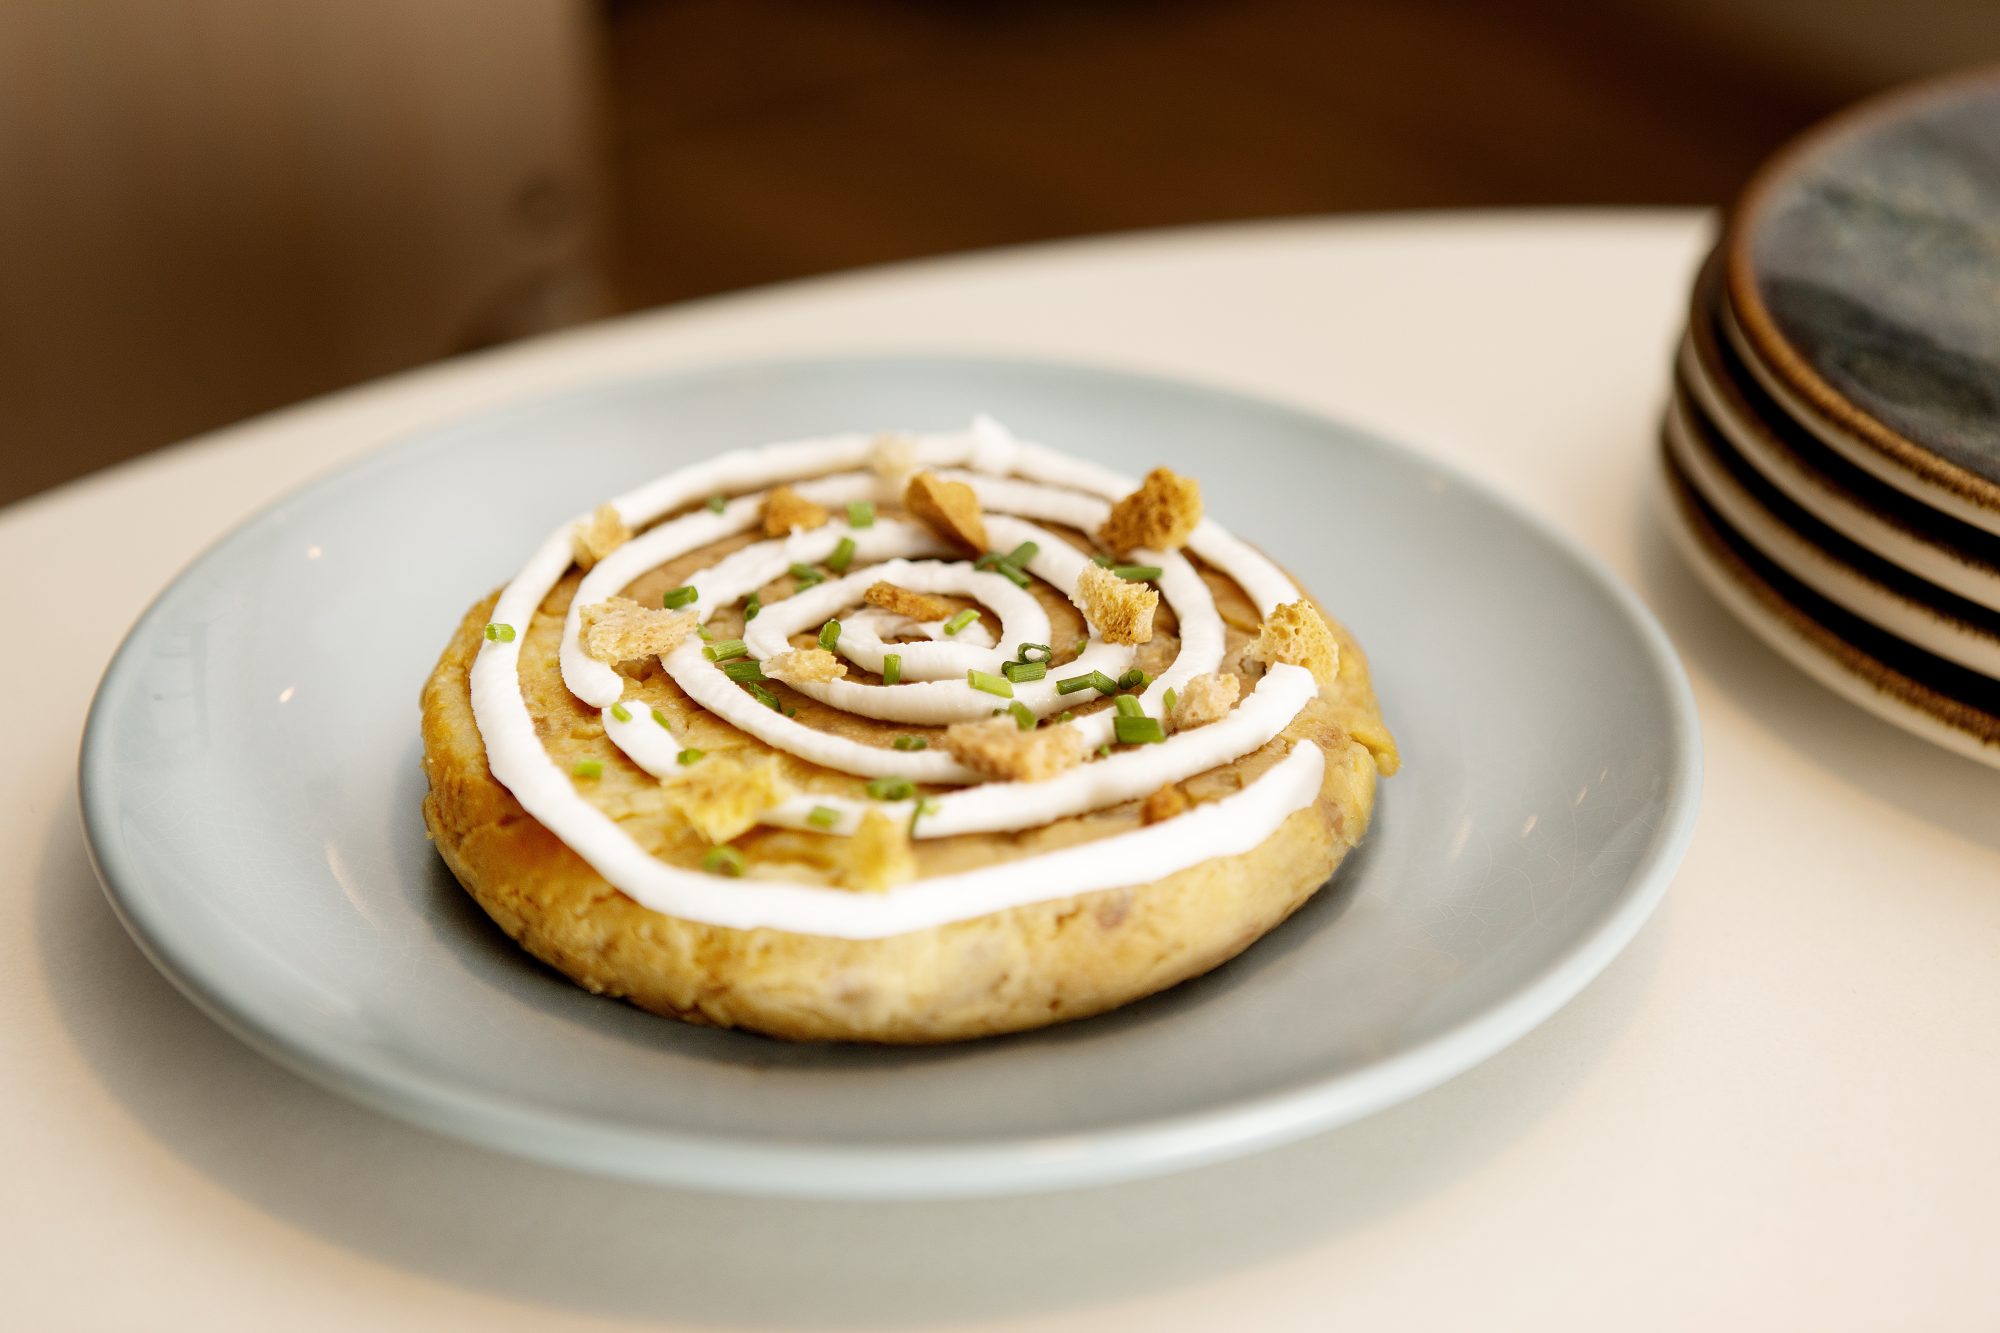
(1779, 1109)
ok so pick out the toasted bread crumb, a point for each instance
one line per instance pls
(722, 796)
(1297, 634)
(1164, 804)
(877, 857)
(949, 507)
(804, 664)
(599, 535)
(999, 748)
(1160, 515)
(619, 629)
(1121, 609)
(1204, 699)
(893, 459)
(786, 511)
(920, 607)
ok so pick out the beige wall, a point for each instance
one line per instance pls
(209, 208)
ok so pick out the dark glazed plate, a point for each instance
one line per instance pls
(1863, 275)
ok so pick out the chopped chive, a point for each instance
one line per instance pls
(762, 695)
(910, 743)
(686, 757)
(1072, 684)
(1104, 750)
(1012, 575)
(1067, 716)
(961, 620)
(621, 712)
(588, 768)
(829, 634)
(842, 557)
(748, 669)
(806, 575)
(661, 718)
(676, 598)
(1034, 652)
(716, 504)
(702, 632)
(1137, 573)
(925, 806)
(790, 711)
(1129, 707)
(500, 633)
(822, 816)
(728, 648)
(992, 684)
(1020, 671)
(998, 711)
(1101, 561)
(1081, 644)
(1137, 730)
(892, 668)
(861, 514)
(1170, 698)
(1134, 679)
(1103, 683)
(723, 861)
(752, 607)
(1021, 555)
(1023, 716)
(891, 789)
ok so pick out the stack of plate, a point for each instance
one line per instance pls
(1833, 440)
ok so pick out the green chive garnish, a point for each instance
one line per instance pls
(829, 634)
(961, 620)
(1021, 555)
(910, 743)
(806, 575)
(1034, 652)
(1101, 561)
(891, 789)
(677, 598)
(500, 633)
(1103, 683)
(1081, 644)
(1067, 716)
(1134, 679)
(1072, 684)
(701, 632)
(762, 696)
(860, 514)
(1137, 573)
(661, 718)
(588, 768)
(750, 669)
(1023, 716)
(992, 684)
(1129, 707)
(723, 861)
(621, 712)
(822, 816)
(842, 557)
(1104, 750)
(686, 757)
(728, 648)
(1170, 698)
(892, 668)
(1020, 671)
(1137, 730)
(996, 562)
(716, 504)
(925, 806)
(752, 607)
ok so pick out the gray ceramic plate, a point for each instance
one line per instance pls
(250, 786)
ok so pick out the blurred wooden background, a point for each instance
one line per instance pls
(215, 207)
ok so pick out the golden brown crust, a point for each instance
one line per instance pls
(1020, 968)
(1160, 515)
(920, 607)
(948, 507)
(1122, 609)
(597, 536)
(785, 511)
(999, 748)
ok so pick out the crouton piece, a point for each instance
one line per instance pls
(1164, 804)
(1161, 514)
(786, 511)
(1121, 609)
(599, 535)
(803, 664)
(920, 607)
(949, 507)
(1205, 699)
(877, 857)
(893, 459)
(999, 748)
(721, 796)
(1297, 634)
(619, 629)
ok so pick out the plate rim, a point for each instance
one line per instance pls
(979, 1167)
